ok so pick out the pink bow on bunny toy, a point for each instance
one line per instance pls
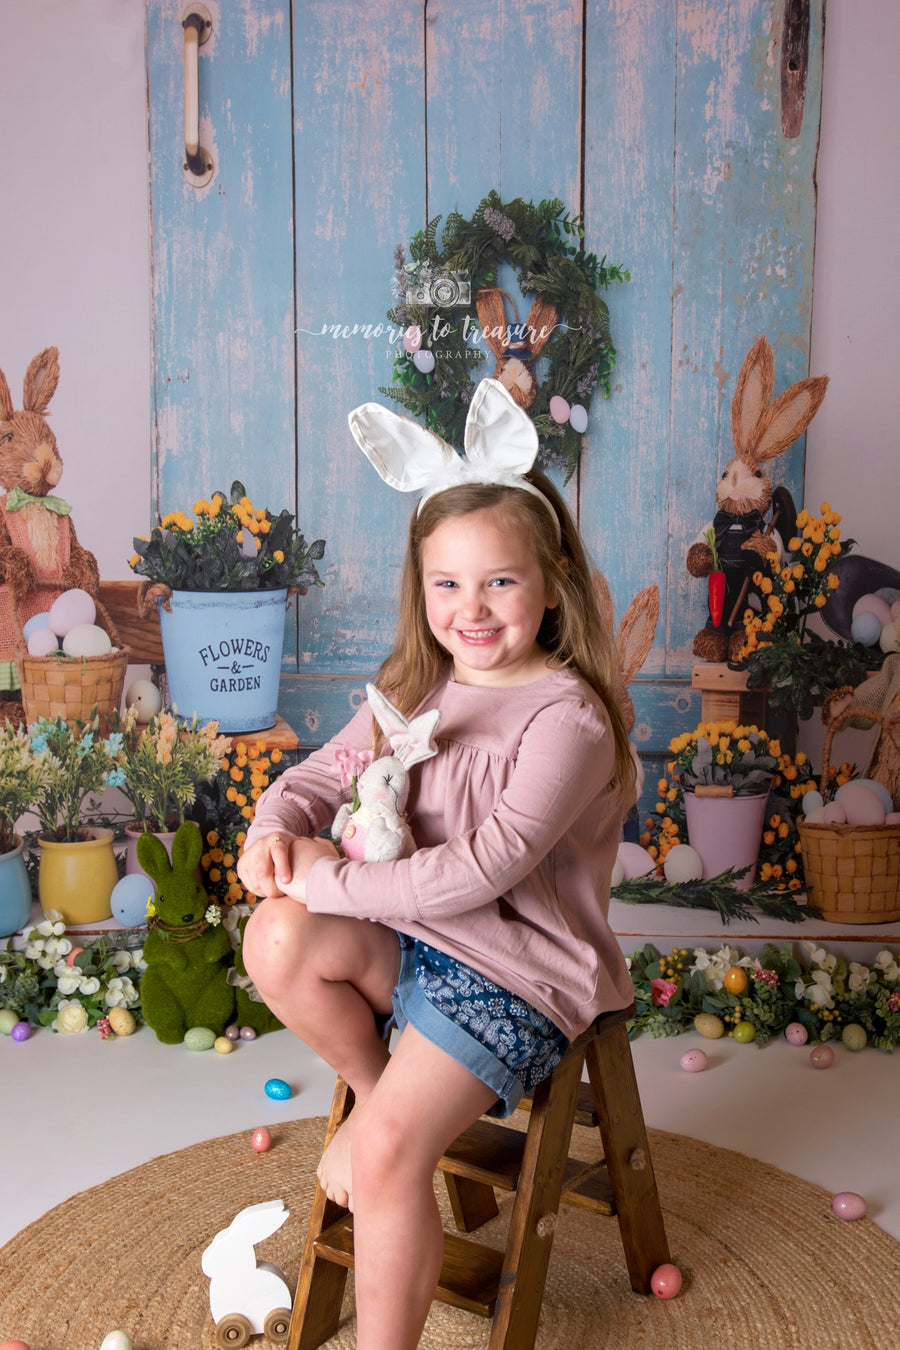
(373, 827)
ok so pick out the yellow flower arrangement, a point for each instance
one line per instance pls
(224, 811)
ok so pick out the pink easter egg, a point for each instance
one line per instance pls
(14, 1345)
(233, 1033)
(412, 338)
(70, 959)
(895, 610)
(821, 1057)
(666, 1281)
(636, 861)
(247, 1034)
(849, 1205)
(872, 604)
(559, 409)
(834, 814)
(71, 608)
(861, 805)
(41, 642)
(261, 1140)
(892, 818)
(693, 1061)
(796, 1033)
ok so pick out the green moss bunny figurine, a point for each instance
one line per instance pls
(187, 957)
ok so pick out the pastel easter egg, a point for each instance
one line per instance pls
(42, 642)
(559, 409)
(866, 628)
(795, 1033)
(895, 610)
(834, 814)
(232, 1032)
(86, 639)
(890, 636)
(693, 1061)
(223, 1045)
(278, 1089)
(116, 1340)
(709, 1025)
(129, 898)
(423, 360)
(261, 1140)
(666, 1281)
(13, 1345)
(849, 1205)
(872, 604)
(41, 620)
(578, 418)
(853, 1036)
(70, 959)
(892, 818)
(812, 801)
(122, 1021)
(635, 860)
(145, 698)
(683, 863)
(412, 338)
(247, 1034)
(861, 805)
(618, 874)
(199, 1038)
(8, 1019)
(815, 816)
(70, 610)
(744, 1033)
(881, 792)
(21, 1031)
(821, 1057)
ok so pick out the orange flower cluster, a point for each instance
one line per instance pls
(796, 586)
(244, 774)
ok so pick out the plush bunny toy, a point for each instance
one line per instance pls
(761, 429)
(373, 827)
(40, 556)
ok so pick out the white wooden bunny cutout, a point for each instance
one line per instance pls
(500, 439)
(247, 1297)
(373, 828)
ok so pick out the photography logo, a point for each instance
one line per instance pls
(441, 287)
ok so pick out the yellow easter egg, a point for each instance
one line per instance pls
(121, 1021)
(709, 1025)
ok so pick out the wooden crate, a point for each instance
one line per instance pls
(724, 694)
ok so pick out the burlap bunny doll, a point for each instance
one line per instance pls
(40, 556)
(761, 430)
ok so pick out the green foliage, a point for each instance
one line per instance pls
(800, 673)
(22, 774)
(719, 894)
(76, 765)
(231, 546)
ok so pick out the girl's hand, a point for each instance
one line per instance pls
(265, 867)
(304, 854)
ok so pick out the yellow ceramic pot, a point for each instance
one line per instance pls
(77, 879)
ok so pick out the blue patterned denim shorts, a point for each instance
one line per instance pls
(495, 1034)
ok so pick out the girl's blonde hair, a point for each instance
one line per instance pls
(572, 633)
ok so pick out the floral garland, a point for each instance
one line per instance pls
(757, 997)
(450, 298)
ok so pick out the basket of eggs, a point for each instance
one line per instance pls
(71, 661)
(851, 845)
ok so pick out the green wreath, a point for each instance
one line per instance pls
(449, 298)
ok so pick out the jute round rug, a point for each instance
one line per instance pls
(766, 1264)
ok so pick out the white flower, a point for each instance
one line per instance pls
(820, 993)
(51, 927)
(68, 981)
(71, 1017)
(888, 967)
(819, 957)
(137, 959)
(213, 915)
(120, 993)
(2, 974)
(34, 950)
(860, 976)
(89, 985)
(121, 960)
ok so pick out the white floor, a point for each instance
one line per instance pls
(77, 1110)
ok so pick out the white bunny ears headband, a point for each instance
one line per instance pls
(500, 440)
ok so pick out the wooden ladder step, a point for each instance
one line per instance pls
(470, 1274)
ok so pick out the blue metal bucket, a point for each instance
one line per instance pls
(223, 656)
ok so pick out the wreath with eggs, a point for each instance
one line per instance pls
(449, 301)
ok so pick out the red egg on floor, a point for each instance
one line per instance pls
(13, 1345)
(666, 1281)
(261, 1140)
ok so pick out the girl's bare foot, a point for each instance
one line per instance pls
(334, 1170)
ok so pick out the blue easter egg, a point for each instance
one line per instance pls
(865, 628)
(36, 621)
(278, 1089)
(128, 901)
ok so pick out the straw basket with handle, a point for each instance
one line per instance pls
(853, 871)
(74, 687)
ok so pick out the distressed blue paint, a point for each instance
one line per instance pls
(401, 112)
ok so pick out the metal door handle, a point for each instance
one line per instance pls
(197, 26)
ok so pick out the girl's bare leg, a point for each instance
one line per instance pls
(324, 976)
(421, 1102)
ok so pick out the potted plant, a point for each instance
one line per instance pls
(725, 771)
(221, 582)
(165, 761)
(77, 869)
(21, 776)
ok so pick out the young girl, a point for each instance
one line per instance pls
(490, 945)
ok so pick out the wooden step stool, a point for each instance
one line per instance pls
(508, 1286)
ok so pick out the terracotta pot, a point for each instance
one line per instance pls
(726, 832)
(77, 878)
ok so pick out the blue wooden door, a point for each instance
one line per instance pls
(336, 128)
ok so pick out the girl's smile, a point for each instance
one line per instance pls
(485, 598)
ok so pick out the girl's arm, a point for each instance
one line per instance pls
(565, 761)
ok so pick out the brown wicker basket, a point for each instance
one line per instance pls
(852, 871)
(74, 687)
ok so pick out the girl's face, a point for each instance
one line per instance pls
(485, 597)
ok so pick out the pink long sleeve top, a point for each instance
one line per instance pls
(516, 820)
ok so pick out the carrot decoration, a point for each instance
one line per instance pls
(716, 582)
